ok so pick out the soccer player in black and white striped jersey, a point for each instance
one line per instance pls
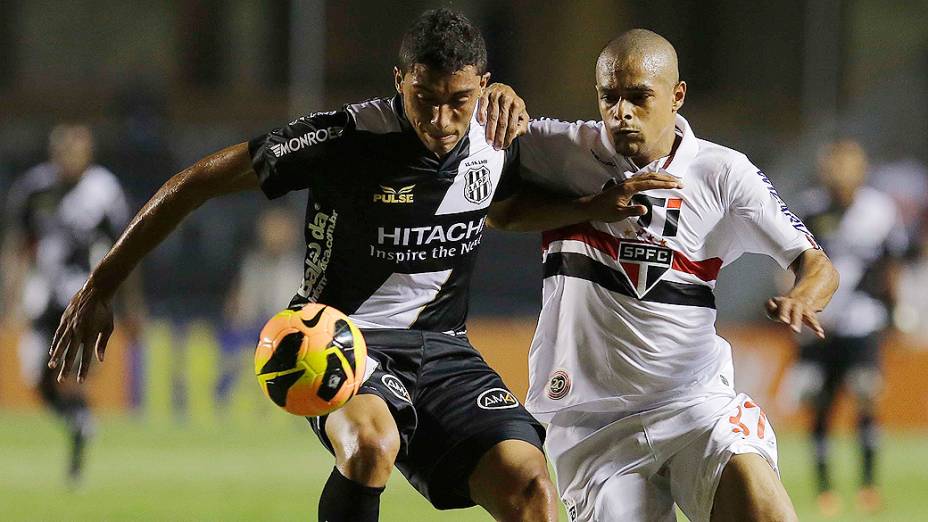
(863, 232)
(63, 215)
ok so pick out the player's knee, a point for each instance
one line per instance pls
(371, 454)
(865, 384)
(528, 491)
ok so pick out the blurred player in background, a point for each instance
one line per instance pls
(626, 366)
(64, 216)
(264, 281)
(861, 229)
(399, 189)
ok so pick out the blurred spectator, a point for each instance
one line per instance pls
(63, 216)
(270, 274)
(863, 233)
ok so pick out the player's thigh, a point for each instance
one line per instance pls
(364, 427)
(750, 490)
(631, 498)
(740, 433)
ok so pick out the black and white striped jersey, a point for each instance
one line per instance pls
(392, 232)
(859, 239)
(69, 227)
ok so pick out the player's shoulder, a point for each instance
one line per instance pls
(375, 115)
(874, 198)
(38, 178)
(101, 182)
(721, 158)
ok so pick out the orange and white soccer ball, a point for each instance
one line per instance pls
(310, 361)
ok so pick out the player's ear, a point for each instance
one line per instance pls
(398, 79)
(679, 95)
(484, 81)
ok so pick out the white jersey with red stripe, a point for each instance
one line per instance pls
(628, 313)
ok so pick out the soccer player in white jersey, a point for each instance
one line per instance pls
(626, 367)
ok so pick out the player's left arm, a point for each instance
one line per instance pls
(503, 113)
(765, 225)
(816, 281)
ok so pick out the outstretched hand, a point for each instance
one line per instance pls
(615, 204)
(84, 329)
(503, 113)
(794, 312)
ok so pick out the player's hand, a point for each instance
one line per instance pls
(503, 113)
(85, 328)
(615, 203)
(794, 312)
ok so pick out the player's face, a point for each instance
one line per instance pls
(843, 170)
(638, 107)
(439, 105)
(74, 152)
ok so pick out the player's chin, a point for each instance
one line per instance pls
(626, 147)
(441, 147)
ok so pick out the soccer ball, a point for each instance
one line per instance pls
(310, 361)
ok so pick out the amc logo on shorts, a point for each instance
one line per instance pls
(497, 399)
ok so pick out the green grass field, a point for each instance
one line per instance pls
(138, 471)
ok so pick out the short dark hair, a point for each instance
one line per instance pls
(444, 40)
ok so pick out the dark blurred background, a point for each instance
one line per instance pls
(164, 83)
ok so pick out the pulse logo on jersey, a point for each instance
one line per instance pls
(310, 138)
(392, 195)
(497, 399)
(644, 265)
(478, 184)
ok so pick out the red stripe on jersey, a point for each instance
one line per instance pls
(706, 270)
(674, 203)
(677, 140)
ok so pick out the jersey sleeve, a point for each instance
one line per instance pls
(511, 178)
(539, 151)
(763, 221)
(289, 157)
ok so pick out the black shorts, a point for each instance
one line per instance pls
(450, 408)
(837, 353)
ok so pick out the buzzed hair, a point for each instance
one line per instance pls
(644, 47)
(443, 40)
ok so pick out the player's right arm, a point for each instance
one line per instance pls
(534, 208)
(88, 320)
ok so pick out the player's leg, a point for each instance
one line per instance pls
(66, 399)
(511, 482)
(729, 472)
(820, 372)
(750, 490)
(474, 442)
(865, 382)
(365, 440)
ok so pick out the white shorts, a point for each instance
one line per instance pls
(635, 467)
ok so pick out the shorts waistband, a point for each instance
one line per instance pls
(404, 336)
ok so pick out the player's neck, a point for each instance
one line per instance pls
(663, 149)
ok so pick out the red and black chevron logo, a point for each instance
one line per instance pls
(644, 265)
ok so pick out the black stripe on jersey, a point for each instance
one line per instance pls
(668, 292)
(649, 202)
(672, 217)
